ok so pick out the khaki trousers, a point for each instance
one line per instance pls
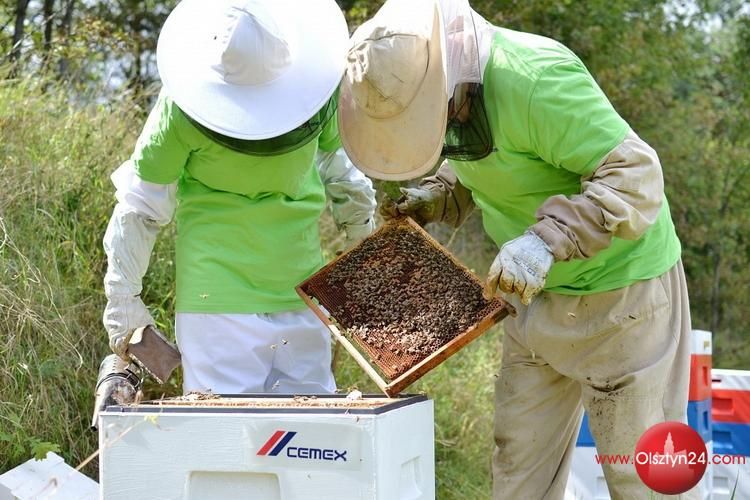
(622, 355)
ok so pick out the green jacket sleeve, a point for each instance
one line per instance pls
(161, 153)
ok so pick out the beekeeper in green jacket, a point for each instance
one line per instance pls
(574, 200)
(243, 143)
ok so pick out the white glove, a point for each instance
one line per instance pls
(357, 232)
(351, 195)
(128, 243)
(521, 267)
(122, 316)
(422, 205)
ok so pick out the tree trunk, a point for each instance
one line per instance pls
(136, 80)
(15, 51)
(65, 31)
(67, 19)
(49, 12)
(716, 289)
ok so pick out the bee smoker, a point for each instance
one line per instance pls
(118, 383)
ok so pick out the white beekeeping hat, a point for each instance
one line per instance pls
(252, 69)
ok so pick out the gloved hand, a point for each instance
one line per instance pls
(122, 316)
(422, 205)
(354, 234)
(521, 267)
(357, 232)
(127, 242)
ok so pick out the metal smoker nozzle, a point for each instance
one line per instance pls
(118, 383)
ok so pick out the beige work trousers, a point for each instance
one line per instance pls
(622, 355)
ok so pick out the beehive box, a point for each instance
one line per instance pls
(269, 447)
(400, 304)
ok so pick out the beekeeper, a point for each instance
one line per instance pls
(243, 142)
(573, 198)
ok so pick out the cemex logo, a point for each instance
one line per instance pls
(280, 439)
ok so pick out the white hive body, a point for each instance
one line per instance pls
(325, 447)
(50, 478)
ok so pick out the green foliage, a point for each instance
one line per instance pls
(137, 21)
(39, 449)
(358, 11)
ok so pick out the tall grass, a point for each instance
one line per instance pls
(55, 200)
(53, 204)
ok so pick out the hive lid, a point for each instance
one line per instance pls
(270, 403)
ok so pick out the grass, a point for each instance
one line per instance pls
(55, 201)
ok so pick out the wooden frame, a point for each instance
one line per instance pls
(395, 386)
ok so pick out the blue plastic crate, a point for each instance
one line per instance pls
(585, 438)
(731, 439)
(699, 417)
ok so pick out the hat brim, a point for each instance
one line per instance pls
(409, 144)
(259, 111)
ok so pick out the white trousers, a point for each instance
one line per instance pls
(285, 353)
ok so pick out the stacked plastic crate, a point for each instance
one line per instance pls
(586, 480)
(731, 433)
(699, 400)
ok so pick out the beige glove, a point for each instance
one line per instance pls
(438, 198)
(521, 267)
(422, 205)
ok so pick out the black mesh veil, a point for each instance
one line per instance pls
(468, 136)
(282, 144)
